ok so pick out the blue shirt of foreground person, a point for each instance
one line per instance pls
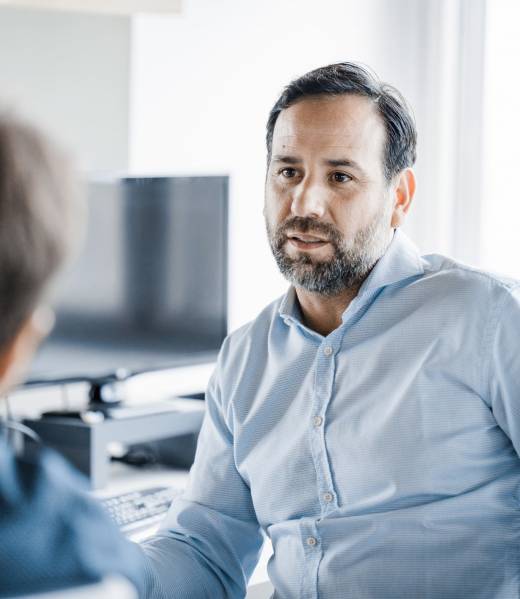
(52, 535)
(368, 422)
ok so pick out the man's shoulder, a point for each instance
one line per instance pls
(456, 275)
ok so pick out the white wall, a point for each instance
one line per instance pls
(70, 73)
(203, 84)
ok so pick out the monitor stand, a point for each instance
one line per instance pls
(84, 439)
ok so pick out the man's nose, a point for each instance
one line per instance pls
(309, 199)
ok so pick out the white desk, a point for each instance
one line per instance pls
(124, 479)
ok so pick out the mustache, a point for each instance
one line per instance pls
(305, 224)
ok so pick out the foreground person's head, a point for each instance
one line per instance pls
(38, 224)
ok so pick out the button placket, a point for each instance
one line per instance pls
(324, 382)
(313, 551)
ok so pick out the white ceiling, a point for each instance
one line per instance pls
(122, 7)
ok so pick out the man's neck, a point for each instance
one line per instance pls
(321, 313)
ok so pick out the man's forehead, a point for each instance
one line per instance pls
(335, 123)
(291, 143)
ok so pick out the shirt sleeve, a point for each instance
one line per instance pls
(503, 374)
(210, 541)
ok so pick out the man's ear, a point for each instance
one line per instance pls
(404, 191)
(17, 354)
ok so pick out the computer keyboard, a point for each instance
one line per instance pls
(139, 509)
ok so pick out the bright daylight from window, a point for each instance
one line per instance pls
(500, 238)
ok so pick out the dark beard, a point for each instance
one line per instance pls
(348, 267)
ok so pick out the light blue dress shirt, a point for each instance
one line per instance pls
(381, 460)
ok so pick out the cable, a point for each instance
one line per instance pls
(24, 430)
(8, 411)
(11, 424)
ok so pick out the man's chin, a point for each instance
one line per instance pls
(303, 273)
(322, 277)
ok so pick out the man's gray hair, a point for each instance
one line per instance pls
(39, 217)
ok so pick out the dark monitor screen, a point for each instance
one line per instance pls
(149, 288)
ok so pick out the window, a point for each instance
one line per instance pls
(500, 210)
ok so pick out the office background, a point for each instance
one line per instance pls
(184, 88)
(187, 92)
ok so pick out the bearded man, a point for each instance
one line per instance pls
(367, 422)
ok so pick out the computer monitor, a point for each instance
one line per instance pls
(149, 288)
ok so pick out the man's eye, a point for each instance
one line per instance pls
(341, 177)
(288, 173)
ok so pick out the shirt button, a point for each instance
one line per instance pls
(311, 541)
(327, 350)
(318, 420)
(327, 497)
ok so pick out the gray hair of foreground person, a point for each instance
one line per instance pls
(345, 78)
(40, 219)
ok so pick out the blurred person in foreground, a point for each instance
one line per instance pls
(368, 421)
(52, 535)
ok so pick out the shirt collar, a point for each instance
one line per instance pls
(289, 308)
(401, 261)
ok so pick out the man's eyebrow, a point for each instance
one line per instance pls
(344, 162)
(286, 159)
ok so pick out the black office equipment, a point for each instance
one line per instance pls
(148, 291)
(149, 288)
(84, 440)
